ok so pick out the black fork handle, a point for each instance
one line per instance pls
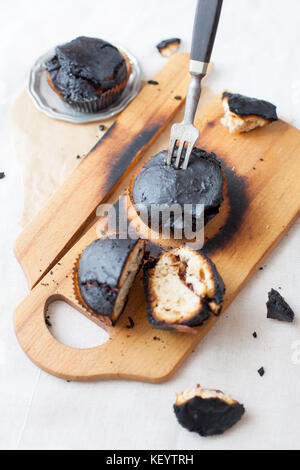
(205, 29)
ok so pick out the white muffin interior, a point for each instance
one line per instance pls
(237, 123)
(187, 395)
(179, 282)
(130, 271)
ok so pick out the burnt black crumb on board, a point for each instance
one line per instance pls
(102, 127)
(2, 175)
(153, 82)
(278, 309)
(261, 371)
(178, 97)
(131, 324)
(254, 335)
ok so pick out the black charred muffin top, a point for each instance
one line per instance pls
(245, 106)
(86, 67)
(201, 183)
(278, 309)
(207, 412)
(99, 271)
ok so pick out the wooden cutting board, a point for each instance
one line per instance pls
(262, 201)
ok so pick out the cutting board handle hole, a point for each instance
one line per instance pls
(71, 328)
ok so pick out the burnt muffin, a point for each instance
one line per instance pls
(243, 114)
(104, 274)
(207, 412)
(200, 186)
(168, 47)
(278, 309)
(183, 289)
(88, 73)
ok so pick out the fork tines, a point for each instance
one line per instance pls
(182, 141)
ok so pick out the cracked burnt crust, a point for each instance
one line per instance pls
(278, 309)
(243, 114)
(168, 47)
(198, 290)
(85, 69)
(207, 412)
(203, 182)
(105, 273)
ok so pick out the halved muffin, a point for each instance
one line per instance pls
(88, 73)
(207, 412)
(243, 114)
(104, 274)
(183, 288)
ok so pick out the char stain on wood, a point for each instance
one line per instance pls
(106, 136)
(238, 205)
(130, 151)
(117, 167)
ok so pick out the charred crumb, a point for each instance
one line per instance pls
(178, 97)
(168, 47)
(261, 371)
(278, 309)
(2, 175)
(153, 82)
(261, 159)
(207, 412)
(254, 335)
(131, 324)
(47, 320)
(44, 284)
(244, 114)
(261, 268)
(102, 127)
(78, 157)
(51, 273)
(156, 338)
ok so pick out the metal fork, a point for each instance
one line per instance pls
(184, 135)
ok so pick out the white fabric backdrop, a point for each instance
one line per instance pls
(256, 53)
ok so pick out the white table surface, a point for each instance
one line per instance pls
(256, 53)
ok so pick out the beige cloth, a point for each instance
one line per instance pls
(47, 149)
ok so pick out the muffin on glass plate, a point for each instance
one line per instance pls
(88, 73)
